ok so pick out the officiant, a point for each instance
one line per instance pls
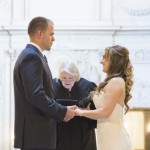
(71, 89)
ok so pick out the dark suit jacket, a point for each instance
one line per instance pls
(36, 112)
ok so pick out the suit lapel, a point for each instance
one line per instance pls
(47, 68)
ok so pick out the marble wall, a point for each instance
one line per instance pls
(83, 29)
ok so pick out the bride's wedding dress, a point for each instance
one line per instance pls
(111, 133)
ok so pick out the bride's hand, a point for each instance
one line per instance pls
(78, 111)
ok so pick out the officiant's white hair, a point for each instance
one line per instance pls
(69, 67)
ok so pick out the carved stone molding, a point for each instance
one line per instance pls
(136, 7)
(13, 54)
(3, 3)
(140, 56)
(1, 79)
(140, 93)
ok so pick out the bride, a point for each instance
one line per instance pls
(110, 99)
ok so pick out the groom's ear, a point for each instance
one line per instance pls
(39, 33)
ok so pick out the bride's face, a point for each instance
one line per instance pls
(105, 63)
(67, 80)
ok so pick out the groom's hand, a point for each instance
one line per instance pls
(70, 113)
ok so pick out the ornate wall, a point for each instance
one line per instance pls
(83, 29)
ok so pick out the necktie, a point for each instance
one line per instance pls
(45, 58)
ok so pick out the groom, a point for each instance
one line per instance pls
(36, 111)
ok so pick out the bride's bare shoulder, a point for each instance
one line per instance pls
(117, 82)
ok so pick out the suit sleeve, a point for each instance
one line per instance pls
(31, 70)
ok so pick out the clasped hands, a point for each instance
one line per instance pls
(73, 111)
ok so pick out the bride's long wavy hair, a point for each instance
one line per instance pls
(119, 66)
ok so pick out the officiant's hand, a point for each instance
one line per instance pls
(83, 103)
